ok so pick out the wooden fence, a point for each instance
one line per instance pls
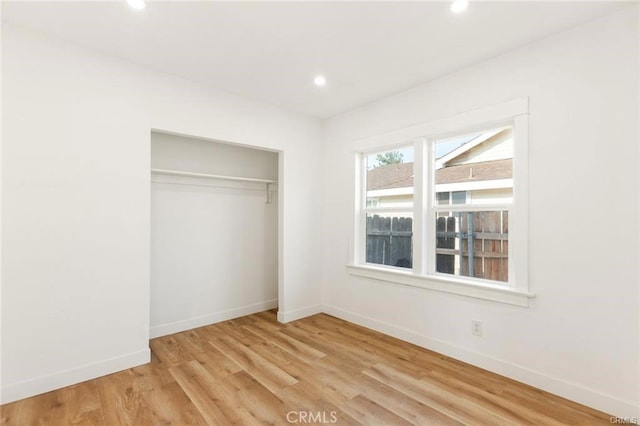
(482, 244)
(479, 241)
(389, 240)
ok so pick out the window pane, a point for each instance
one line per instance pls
(476, 167)
(473, 244)
(372, 202)
(459, 197)
(389, 239)
(390, 178)
(442, 198)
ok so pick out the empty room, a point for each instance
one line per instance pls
(301, 212)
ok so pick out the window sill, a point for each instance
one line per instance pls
(444, 284)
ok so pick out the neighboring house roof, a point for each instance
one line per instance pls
(467, 163)
(480, 139)
(401, 175)
(473, 172)
(391, 176)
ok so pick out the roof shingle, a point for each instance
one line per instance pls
(401, 175)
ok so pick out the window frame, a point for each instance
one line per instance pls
(365, 209)
(423, 274)
(432, 209)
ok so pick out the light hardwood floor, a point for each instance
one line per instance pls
(254, 370)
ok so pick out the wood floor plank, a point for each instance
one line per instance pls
(152, 375)
(170, 405)
(170, 351)
(320, 377)
(255, 370)
(567, 412)
(265, 372)
(121, 402)
(192, 341)
(315, 398)
(264, 406)
(408, 355)
(330, 344)
(77, 405)
(217, 364)
(406, 407)
(80, 404)
(238, 333)
(329, 380)
(368, 412)
(479, 394)
(289, 344)
(267, 320)
(39, 410)
(290, 364)
(214, 402)
(329, 373)
(452, 405)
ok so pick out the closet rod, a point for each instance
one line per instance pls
(205, 175)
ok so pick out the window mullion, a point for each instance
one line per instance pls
(419, 265)
(428, 215)
(361, 212)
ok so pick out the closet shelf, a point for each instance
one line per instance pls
(210, 176)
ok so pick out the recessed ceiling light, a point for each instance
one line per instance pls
(319, 81)
(459, 6)
(137, 4)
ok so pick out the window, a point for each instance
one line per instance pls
(389, 207)
(455, 197)
(474, 173)
(373, 202)
(448, 212)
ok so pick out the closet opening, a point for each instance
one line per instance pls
(214, 232)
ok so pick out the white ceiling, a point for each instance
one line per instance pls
(270, 51)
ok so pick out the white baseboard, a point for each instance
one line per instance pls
(212, 318)
(571, 391)
(296, 314)
(39, 385)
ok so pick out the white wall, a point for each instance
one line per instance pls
(76, 203)
(214, 242)
(579, 337)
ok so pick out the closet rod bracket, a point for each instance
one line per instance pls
(269, 194)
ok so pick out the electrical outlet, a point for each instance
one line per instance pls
(476, 327)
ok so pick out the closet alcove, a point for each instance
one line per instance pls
(214, 232)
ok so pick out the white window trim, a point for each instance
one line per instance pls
(393, 191)
(363, 209)
(472, 186)
(422, 275)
